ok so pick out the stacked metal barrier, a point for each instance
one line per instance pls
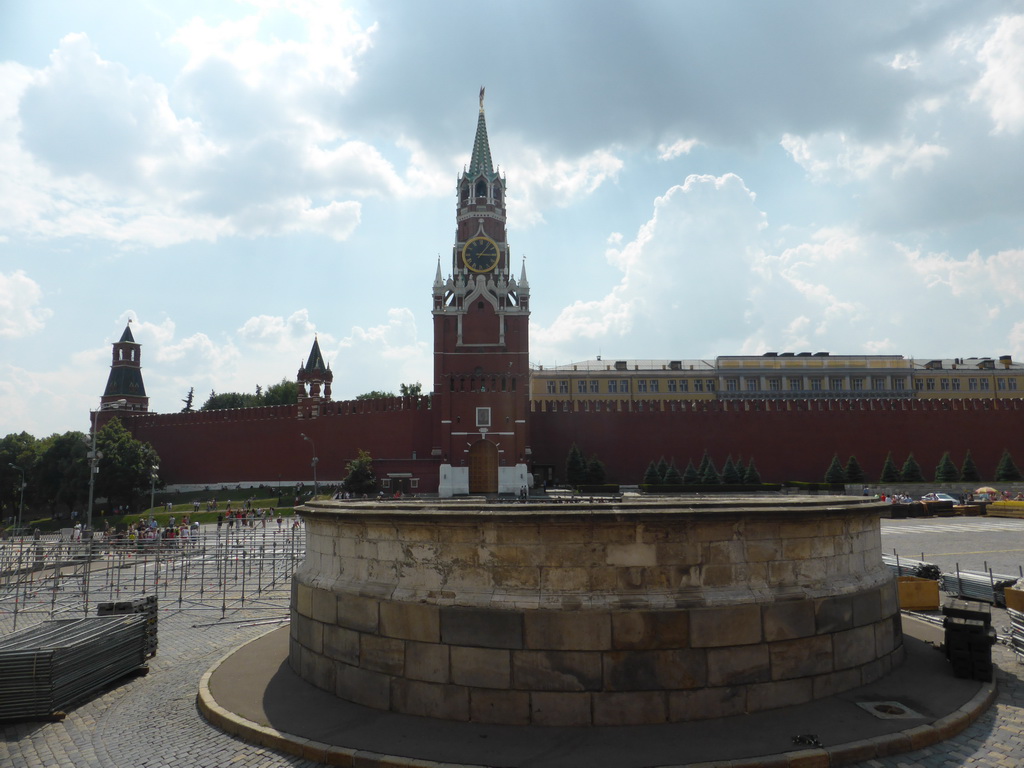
(147, 606)
(983, 587)
(1016, 632)
(46, 668)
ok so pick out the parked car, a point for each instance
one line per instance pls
(939, 497)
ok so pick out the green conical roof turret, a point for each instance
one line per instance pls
(480, 163)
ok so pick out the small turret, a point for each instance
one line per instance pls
(313, 376)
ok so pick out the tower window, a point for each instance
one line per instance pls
(481, 189)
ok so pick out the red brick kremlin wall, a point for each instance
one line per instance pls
(788, 439)
(265, 444)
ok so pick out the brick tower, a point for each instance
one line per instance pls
(481, 342)
(125, 379)
(314, 380)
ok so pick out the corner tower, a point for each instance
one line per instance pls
(314, 380)
(125, 379)
(481, 342)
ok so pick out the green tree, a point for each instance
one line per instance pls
(969, 471)
(595, 472)
(62, 474)
(730, 474)
(702, 468)
(283, 393)
(673, 476)
(1006, 470)
(360, 478)
(752, 476)
(226, 400)
(22, 450)
(854, 473)
(126, 465)
(835, 472)
(411, 390)
(189, 398)
(911, 471)
(690, 476)
(662, 467)
(575, 466)
(651, 475)
(374, 395)
(711, 476)
(946, 471)
(890, 474)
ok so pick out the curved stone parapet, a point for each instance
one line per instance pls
(593, 614)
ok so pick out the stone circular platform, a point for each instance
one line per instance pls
(593, 614)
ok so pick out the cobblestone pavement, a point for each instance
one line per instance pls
(995, 740)
(152, 721)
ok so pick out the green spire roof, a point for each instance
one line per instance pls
(481, 160)
(127, 335)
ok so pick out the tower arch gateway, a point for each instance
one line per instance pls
(483, 467)
(481, 342)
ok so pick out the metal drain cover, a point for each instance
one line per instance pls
(889, 710)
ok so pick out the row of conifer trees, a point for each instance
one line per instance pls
(582, 471)
(663, 472)
(911, 472)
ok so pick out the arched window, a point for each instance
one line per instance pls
(481, 188)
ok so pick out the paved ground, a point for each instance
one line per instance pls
(152, 721)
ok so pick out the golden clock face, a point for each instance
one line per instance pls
(480, 254)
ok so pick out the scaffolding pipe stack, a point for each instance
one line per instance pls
(46, 668)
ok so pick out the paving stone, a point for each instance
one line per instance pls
(115, 729)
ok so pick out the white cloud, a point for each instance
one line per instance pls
(20, 313)
(676, 149)
(1001, 86)
(997, 279)
(275, 332)
(836, 157)
(686, 264)
(381, 357)
(542, 182)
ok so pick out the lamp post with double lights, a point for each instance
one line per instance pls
(94, 457)
(316, 488)
(154, 472)
(21, 502)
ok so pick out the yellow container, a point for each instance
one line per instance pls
(917, 594)
(1014, 598)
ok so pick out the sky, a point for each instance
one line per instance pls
(685, 180)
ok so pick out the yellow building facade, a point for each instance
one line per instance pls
(778, 376)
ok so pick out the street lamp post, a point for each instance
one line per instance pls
(94, 460)
(21, 502)
(153, 472)
(316, 488)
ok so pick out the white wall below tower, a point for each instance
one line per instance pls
(513, 479)
(454, 481)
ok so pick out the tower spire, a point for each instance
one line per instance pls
(481, 163)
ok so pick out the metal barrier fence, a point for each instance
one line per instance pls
(983, 587)
(208, 570)
(45, 668)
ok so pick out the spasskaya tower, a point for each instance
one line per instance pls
(481, 342)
